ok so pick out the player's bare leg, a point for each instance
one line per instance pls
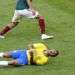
(7, 28)
(41, 22)
(5, 55)
(6, 63)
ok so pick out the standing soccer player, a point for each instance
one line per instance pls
(24, 8)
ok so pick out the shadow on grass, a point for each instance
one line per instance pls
(19, 67)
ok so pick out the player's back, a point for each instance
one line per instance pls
(22, 4)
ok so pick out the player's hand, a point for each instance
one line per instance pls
(32, 51)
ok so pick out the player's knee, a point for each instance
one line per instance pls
(13, 24)
(31, 0)
(41, 17)
(7, 55)
(13, 62)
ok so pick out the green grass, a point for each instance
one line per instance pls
(60, 20)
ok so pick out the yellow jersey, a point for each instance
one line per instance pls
(39, 57)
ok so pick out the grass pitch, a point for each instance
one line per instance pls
(60, 20)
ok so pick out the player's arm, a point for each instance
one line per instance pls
(32, 58)
(30, 4)
(30, 0)
(31, 48)
(31, 52)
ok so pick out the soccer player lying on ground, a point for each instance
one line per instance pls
(24, 8)
(36, 54)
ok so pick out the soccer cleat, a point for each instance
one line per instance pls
(44, 36)
(1, 36)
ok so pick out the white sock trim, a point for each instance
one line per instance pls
(4, 63)
(1, 54)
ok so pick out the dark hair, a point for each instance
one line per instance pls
(57, 53)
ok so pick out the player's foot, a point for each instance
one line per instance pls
(2, 37)
(44, 36)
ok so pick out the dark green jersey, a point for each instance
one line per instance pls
(22, 4)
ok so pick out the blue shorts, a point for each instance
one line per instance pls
(20, 56)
